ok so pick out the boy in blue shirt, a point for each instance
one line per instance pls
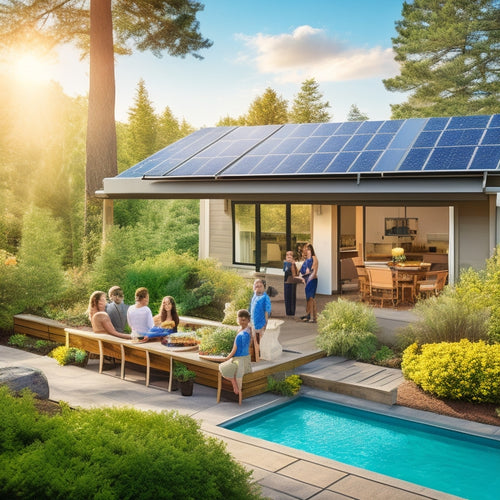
(260, 310)
(237, 363)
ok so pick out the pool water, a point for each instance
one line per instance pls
(448, 461)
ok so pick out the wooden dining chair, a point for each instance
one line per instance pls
(433, 283)
(364, 284)
(383, 285)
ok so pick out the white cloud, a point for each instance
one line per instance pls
(309, 52)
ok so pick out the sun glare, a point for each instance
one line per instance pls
(29, 68)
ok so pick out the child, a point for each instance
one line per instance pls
(290, 286)
(260, 310)
(237, 363)
(117, 309)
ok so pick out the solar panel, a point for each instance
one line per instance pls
(463, 143)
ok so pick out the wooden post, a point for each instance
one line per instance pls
(107, 218)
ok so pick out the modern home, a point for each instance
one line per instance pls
(354, 189)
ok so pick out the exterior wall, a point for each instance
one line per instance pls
(220, 231)
(472, 234)
(324, 241)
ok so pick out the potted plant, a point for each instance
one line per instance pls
(185, 377)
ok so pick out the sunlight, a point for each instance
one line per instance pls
(30, 68)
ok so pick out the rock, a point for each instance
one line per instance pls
(21, 377)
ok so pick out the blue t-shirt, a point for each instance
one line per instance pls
(259, 305)
(243, 343)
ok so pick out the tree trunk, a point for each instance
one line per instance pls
(101, 129)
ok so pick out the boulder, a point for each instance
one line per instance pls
(18, 378)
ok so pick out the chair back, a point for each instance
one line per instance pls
(441, 280)
(381, 278)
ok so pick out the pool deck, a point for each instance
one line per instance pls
(282, 472)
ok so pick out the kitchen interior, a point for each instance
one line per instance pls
(421, 231)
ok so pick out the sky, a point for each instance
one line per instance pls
(345, 45)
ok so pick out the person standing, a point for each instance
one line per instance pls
(290, 285)
(260, 310)
(117, 309)
(139, 316)
(309, 273)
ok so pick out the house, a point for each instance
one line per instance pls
(428, 185)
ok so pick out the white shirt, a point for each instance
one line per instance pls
(140, 319)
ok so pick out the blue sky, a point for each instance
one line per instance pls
(345, 45)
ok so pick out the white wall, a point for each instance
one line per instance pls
(324, 241)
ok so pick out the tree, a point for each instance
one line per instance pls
(163, 25)
(142, 126)
(228, 121)
(268, 109)
(168, 129)
(449, 52)
(307, 106)
(355, 115)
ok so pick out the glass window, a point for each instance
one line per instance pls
(244, 233)
(264, 232)
(272, 235)
(300, 228)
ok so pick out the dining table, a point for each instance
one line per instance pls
(407, 274)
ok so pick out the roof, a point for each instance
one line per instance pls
(324, 159)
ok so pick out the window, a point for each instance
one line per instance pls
(264, 232)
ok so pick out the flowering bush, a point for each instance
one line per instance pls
(67, 355)
(468, 371)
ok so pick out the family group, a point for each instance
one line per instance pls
(115, 317)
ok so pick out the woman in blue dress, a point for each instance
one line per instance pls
(309, 274)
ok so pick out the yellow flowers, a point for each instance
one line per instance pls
(464, 370)
(11, 261)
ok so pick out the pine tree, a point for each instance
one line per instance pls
(355, 115)
(142, 126)
(168, 129)
(449, 52)
(267, 109)
(307, 105)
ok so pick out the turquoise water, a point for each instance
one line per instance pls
(448, 461)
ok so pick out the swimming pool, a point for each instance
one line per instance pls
(445, 460)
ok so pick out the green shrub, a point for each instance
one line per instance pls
(464, 370)
(200, 287)
(18, 340)
(217, 341)
(112, 453)
(383, 354)
(65, 355)
(347, 329)
(446, 318)
(289, 386)
(241, 301)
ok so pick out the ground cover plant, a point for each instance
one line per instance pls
(112, 453)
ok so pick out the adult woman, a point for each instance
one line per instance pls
(99, 318)
(167, 314)
(309, 273)
(139, 316)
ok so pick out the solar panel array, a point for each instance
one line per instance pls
(464, 143)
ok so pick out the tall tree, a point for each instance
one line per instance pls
(142, 126)
(162, 25)
(355, 115)
(168, 129)
(267, 109)
(449, 52)
(308, 106)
